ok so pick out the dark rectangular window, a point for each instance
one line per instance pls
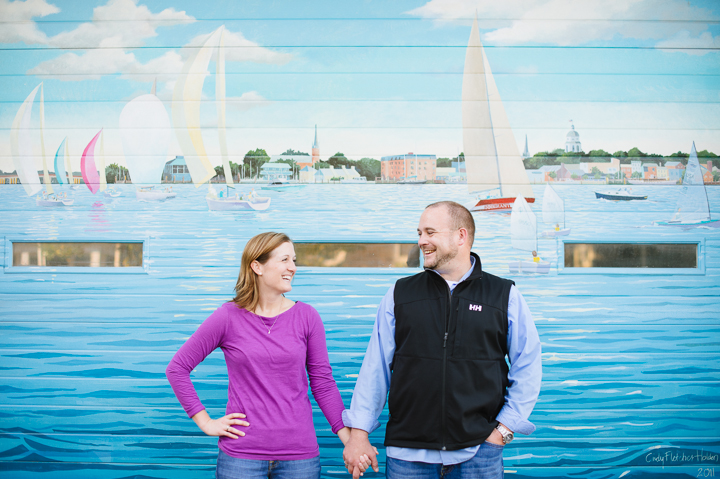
(631, 255)
(77, 254)
(358, 255)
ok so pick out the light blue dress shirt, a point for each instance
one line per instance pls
(373, 381)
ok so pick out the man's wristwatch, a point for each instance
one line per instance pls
(506, 434)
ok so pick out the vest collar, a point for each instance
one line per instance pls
(476, 272)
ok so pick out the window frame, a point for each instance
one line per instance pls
(699, 270)
(357, 268)
(8, 267)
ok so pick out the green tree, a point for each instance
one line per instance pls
(115, 172)
(557, 152)
(254, 159)
(620, 154)
(575, 176)
(552, 175)
(635, 152)
(219, 172)
(322, 164)
(290, 151)
(338, 159)
(368, 167)
(636, 175)
(600, 152)
(443, 162)
(596, 172)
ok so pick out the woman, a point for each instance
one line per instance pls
(271, 344)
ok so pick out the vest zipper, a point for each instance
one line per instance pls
(447, 327)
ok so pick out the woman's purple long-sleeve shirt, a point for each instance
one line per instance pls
(267, 379)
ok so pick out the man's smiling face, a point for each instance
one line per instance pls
(436, 237)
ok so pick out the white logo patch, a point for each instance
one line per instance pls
(475, 307)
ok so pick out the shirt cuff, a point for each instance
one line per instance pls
(359, 421)
(514, 421)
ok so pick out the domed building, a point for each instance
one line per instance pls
(572, 141)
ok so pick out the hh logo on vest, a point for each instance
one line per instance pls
(475, 307)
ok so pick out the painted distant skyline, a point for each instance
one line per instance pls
(378, 78)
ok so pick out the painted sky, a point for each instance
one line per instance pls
(378, 78)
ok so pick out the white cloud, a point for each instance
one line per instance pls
(240, 49)
(247, 101)
(17, 20)
(569, 22)
(692, 45)
(109, 38)
(124, 21)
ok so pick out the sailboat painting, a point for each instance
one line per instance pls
(186, 122)
(87, 166)
(692, 209)
(523, 234)
(494, 166)
(553, 213)
(338, 124)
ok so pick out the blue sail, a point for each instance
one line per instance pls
(60, 174)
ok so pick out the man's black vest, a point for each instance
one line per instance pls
(449, 373)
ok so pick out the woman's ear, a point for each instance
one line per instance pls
(256, 267)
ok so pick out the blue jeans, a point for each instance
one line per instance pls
(486, 464)
(229, 467)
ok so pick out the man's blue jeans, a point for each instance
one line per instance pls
(487, 464)
(229, 467)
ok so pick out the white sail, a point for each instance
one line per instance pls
(553, 208)
(186, 111)
(491, 154)
(513, 178)
(220, 101)
(46, 174)
(692, 207)
(478, 138)
(68, 169)
(145, 133)
(21, 146)
(523, 226)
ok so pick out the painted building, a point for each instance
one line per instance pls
(637, 167)
(606, 168)
(176, 171)
(650, 170)
(272, 171)
(572, 141)
(398, 167)
(307, 174)
(663, 173)
(328, 175)
(675, 169)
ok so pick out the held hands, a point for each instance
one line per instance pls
(224, 426)
(359, 454)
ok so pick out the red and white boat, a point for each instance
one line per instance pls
(494, 166)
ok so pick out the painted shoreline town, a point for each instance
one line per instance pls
(143, 143)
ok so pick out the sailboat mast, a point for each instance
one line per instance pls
(46, 175)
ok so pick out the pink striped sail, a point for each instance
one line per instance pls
(87, 166)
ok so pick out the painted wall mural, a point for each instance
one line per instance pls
(583, 136)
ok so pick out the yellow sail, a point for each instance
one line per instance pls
(186, 111)
(46, 174)
(101, 161)
(220, 100)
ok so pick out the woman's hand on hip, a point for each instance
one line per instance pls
(224, 426)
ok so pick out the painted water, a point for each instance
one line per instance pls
(631, 381)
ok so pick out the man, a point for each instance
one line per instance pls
(438, 346)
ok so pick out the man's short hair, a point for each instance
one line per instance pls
(459, 216)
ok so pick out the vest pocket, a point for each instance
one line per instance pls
(478, 328)
(414, 402)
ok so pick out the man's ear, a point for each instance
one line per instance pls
(463, 237)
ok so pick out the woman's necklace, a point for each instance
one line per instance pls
(263, 322)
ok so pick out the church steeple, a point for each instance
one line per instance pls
(526, 153)
(315, 149)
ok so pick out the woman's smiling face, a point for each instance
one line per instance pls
(277, 273)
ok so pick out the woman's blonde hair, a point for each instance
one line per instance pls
(259, 249)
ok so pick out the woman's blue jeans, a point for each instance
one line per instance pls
(229, 467)
(486, 464)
